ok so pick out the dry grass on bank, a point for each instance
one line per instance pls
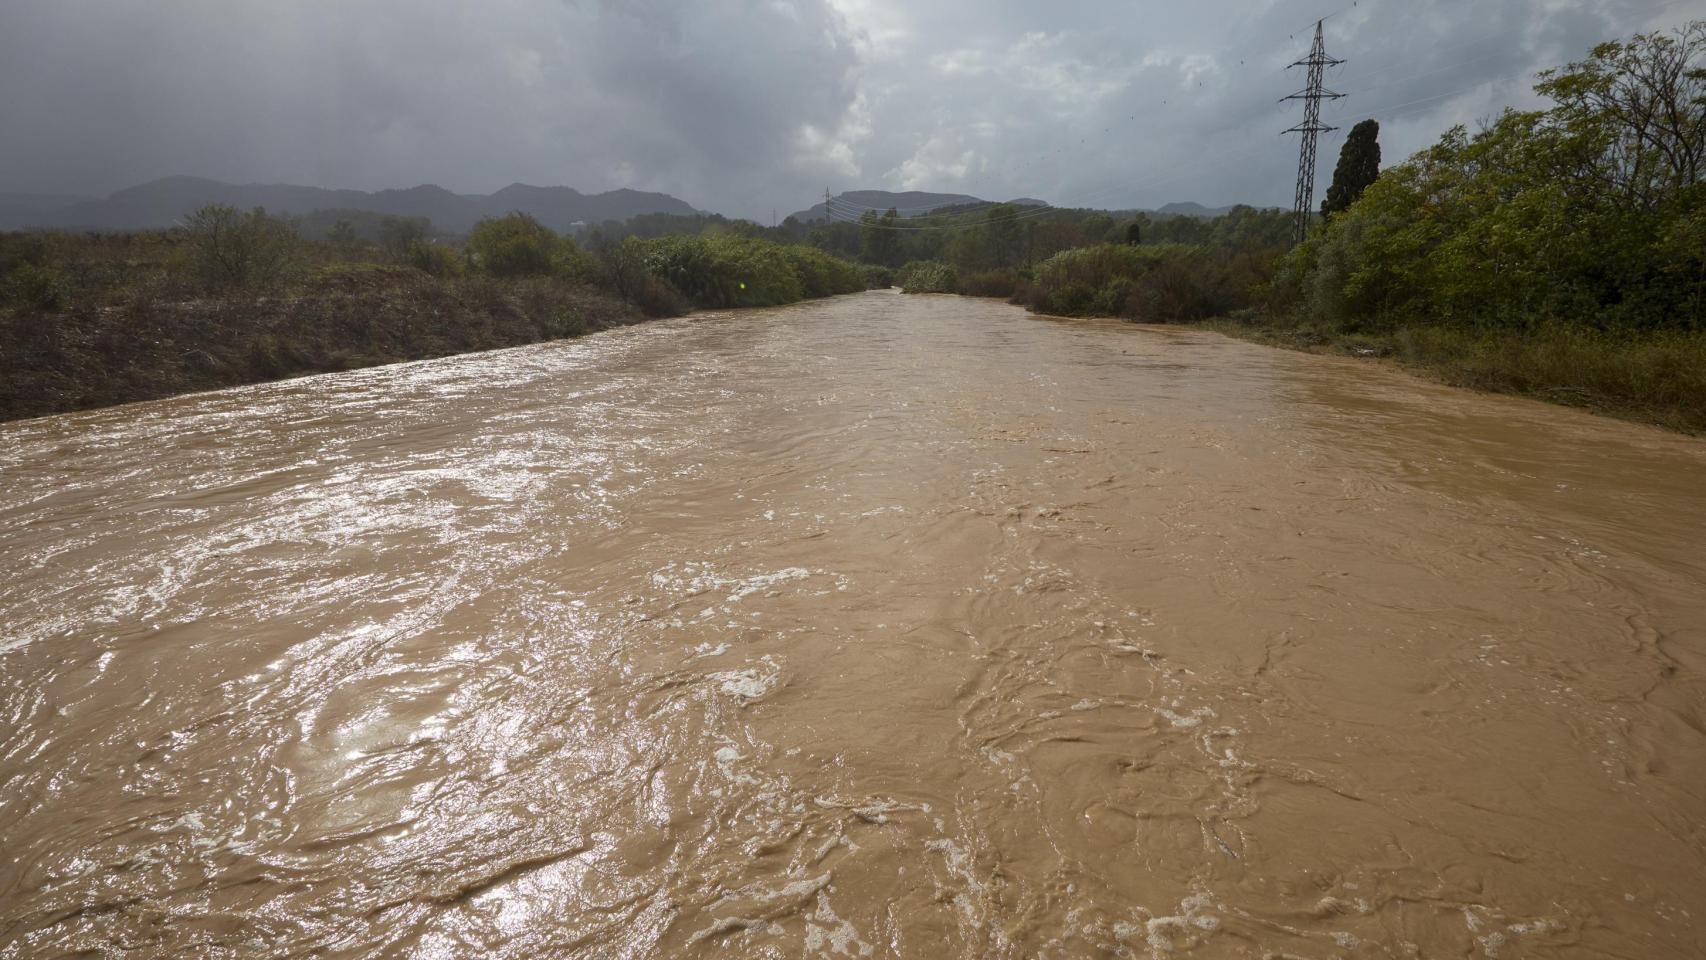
(146, 346)
(1657, 377)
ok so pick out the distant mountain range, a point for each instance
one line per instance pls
(1192, 209)
(161, 203)
(851, 204)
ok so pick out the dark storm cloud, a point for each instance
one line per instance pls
(1138, 104)
(741, 105)
(702, 98)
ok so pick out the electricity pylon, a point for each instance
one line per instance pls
(1311, 95)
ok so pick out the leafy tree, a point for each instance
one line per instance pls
(1097, 227)
(968, 250)
(1246, 228)
(1643, 104)
(1359, 165)
(1006, 236)
(1133, 233)
(880, 240)
(1049, 237)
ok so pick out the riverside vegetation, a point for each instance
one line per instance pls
(234, 297)
(1559, 253)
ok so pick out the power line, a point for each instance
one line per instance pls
(850, 212)
(1032, 214)
(1437, 49)
(863, 207)
(1320, 19)
(1084, 200)
(930, 214)
(1398, 108)
(1365, 87)
(846, 211)
(1311, 127)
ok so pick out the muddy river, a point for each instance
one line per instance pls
(872, 627)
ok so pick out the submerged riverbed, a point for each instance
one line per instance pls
(877, 626)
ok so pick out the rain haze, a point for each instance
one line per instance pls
(744, 108)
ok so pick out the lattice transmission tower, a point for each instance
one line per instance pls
(1312, 94)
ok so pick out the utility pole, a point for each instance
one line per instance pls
(1311, 95)
(828, 216)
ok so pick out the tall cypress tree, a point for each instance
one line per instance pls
(1359, 164)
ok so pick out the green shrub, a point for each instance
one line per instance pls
(928, 276)
(514, 245)
(744, 273)
(878, 277)
(399, 236)
(1109, 300)
(656, 298)
(687, 265)
(28, 286)
(563, 322)
(726, 270)
(623, 268)
(1157, 283)
(822, 275)
(1093, 281)
(1201, 284)
(235, 249)
(435, 259)
(570, 262)
(22, 249)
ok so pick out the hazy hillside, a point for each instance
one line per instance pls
(910, 203)
(1191, 208)
(25, 209)
(160, 203)
(851, 204)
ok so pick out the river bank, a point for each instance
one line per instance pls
(96, 355)
(1657, 378)
(1650, 373)
(91, 320)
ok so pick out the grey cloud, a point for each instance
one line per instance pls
(739, 106)
(1192, 109)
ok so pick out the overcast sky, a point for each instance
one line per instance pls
(741, 106)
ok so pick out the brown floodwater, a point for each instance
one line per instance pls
(879, 626)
